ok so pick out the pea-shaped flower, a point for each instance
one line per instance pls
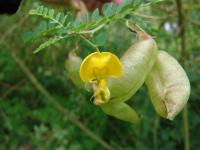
(114, 81)
(96, 68)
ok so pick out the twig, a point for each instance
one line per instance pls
(182, 26)
(10, 31)
(16, 86)
(186, 128)
(181, 23)
(93, 30)
(89, 42)
(195, 22)
(150, 17)
(6, 85)
(155, 132)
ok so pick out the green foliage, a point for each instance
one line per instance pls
(58, 19)
(65, 26)
(48, 43)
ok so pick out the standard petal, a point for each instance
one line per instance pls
(87, 66)
(99, 66)
(113, 64)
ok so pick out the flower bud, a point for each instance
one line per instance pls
(72, 65)
(168, 86)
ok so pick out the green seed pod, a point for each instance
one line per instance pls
(121, 111)
(168, 86)
(137, 62)
(72, 65)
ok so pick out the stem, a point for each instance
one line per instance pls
(93, 30)
(182, 25)
(186, 128)
(150, 17)
(15, 26)
(155, 132)
(90, 43)
(133, 27)
(11, 89)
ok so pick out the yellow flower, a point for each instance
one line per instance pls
(95, 69)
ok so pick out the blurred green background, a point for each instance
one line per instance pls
(30, 121)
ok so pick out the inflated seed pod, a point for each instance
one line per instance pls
(72, 65)
(121, 111)
(168, 86)
(137, 62)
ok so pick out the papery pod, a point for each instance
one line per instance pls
(137, 62)
(168, 86)
(121, 111)
(72, 65)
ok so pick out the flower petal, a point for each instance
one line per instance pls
(99, 65)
